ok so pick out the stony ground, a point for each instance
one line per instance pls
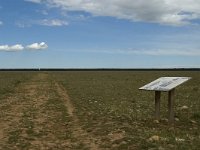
(81, 110)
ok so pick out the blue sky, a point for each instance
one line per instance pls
(99, 34)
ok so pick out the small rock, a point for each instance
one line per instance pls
(192, 121)
(110, 134)
(123, 142)
(164, 120)
(154, 138)
(115, 145)
(156, 121)
(176, 119)
(171, 129)
(180, 140)
(123, 131)
(184, 108)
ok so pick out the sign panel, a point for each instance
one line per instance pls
(165, 83)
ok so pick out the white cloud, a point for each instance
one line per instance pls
(37, 46)
(4, 47)
(34, 1)
(44, 22)
(160, 52)
(172, 52)
(168, 12)
(53, 22)
(23, 24)
(17, 47)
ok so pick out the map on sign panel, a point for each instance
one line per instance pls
(165, 83)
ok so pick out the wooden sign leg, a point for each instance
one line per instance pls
(171, 106)
(157, 105)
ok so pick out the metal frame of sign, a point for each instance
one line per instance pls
(165, 84)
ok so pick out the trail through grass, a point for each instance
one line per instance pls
(36, 116)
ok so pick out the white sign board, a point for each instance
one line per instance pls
(165, 83)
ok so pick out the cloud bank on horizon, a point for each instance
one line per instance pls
(152, 52)
(19, 47)
(166, 12)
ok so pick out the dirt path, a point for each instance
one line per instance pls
(40, 115)
(77, 131)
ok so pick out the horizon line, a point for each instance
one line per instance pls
(99, 69)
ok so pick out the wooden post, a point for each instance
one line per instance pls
(171, 106)
(157, 105)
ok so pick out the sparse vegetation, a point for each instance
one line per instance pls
(108, 111)
(10, 80)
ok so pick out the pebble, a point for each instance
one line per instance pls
(184, 108)
(192, 121)
(156, 121)
(176, 119)
(154, 138)
(180, 140)
(123, 142)
(115, 145)
(171, 129)
(164, 119)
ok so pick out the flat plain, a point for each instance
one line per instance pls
(95, 110)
